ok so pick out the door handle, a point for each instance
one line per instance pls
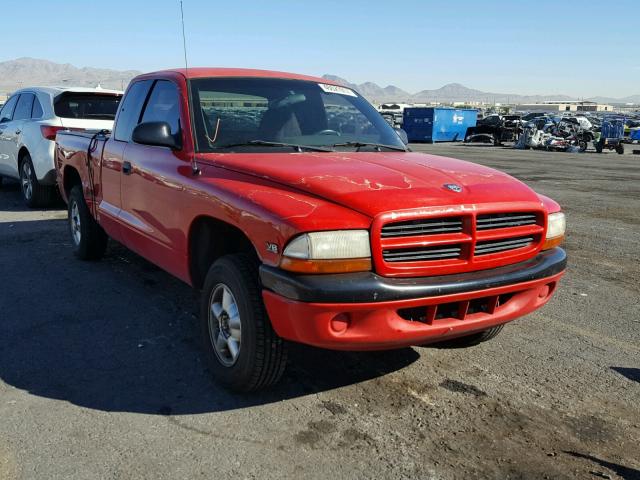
(126, 168)
(18, 132)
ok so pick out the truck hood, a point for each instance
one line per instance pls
(376, 182)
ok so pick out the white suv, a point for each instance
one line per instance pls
(29, 121)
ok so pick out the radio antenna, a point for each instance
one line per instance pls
(194, 163)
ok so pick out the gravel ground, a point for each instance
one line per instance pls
(100, 373)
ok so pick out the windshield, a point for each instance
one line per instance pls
(251, 112)
(87, 106)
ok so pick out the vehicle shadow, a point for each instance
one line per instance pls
(11, 199)
(121, 335)
(624, 472)
(632, 374)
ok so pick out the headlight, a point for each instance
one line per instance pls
(556, 226)
(328, 252)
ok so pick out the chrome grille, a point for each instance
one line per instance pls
(503, 220)
(494, 246)
(446, 252)
(413, 228)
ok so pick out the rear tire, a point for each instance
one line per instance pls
(598, 146)
(582, 146)
(88, 238)
(242, 350)
(34, 194)
(471, 340)
(620, 149)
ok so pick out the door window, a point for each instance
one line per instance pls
(164, 105)
(23, 108)
(6, 114)
(130, 108)
(36, 111)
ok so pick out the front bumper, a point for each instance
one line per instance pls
(363, 311)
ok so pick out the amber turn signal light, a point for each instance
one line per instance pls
(326, 266)
(554, 242)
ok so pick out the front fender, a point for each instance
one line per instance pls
(270, 214)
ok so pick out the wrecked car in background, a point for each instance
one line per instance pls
(495, 129)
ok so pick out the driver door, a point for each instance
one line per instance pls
(152, 192)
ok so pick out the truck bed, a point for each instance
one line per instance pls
(72, 149)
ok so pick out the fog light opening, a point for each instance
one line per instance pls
(546, 290)
(340, 323)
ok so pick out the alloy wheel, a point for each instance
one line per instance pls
(25, 180)
(74, 220)
(224, 325)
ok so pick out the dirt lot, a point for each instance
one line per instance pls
(100, 373)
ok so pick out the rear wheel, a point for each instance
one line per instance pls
(88, 238)
(582, 145)
(33, 193)
(620, 149)
(471, 340)
(598, 146)
(243, 351)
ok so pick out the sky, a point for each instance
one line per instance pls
(528, 47)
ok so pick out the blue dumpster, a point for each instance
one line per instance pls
(438, 124)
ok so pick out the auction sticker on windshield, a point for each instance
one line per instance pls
(337, 89)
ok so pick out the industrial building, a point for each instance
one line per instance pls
(564, 106)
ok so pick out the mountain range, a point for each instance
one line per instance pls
(454, 92)
(24, 72)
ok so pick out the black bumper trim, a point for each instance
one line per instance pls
(367, 287)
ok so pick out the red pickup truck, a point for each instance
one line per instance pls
(302, 216)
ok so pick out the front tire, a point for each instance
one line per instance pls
(242, 350)
(88, 238)
(620, 149)
(34, 194)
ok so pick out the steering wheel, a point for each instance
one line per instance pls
(328, 132)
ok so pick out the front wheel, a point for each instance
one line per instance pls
(88, 238)
(620, 149)
(243, 351)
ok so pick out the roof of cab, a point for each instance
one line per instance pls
(54, 91)
(200, 72)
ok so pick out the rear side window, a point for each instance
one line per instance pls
(130, 110)
(6, 113)
(164, 105)
(36, 110)
(23, 108)
(86, 106)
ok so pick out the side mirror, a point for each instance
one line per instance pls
(156, 134)
(403, 135)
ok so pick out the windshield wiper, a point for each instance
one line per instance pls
(264, 143)
(378, 146)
